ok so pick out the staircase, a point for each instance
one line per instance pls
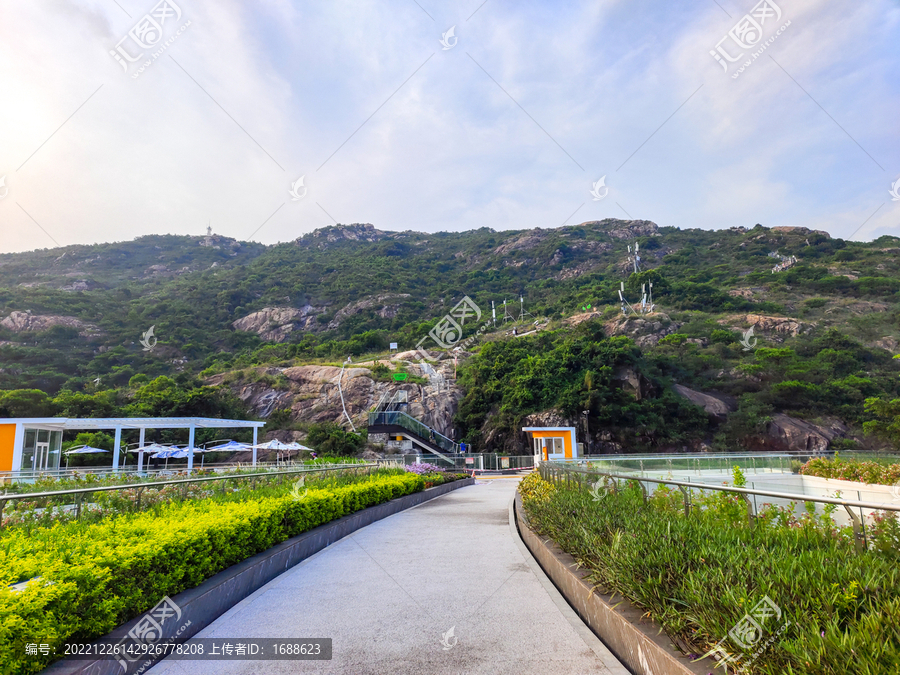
(396, 423)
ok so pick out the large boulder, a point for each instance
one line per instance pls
(522, 242)
(20, 322)
(646, 331)
(791, 434)
(632, 382)
(716, 406)
(385, 306)
(767, 324)
(275, 324)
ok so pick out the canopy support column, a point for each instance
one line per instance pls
(141, 451)
(254, 445)
(191, 450)
(116, 445)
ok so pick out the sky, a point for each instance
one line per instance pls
(123, 118)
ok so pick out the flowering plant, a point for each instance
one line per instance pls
(422, 469)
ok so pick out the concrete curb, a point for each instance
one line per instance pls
(636, 641)
(613, 665)
(207, 602)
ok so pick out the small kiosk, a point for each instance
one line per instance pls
(552, 443)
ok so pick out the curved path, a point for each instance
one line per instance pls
(389, 592)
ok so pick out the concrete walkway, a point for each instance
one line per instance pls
(389, 592)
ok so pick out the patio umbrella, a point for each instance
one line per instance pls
(274, 444)
(230, 446)
(153, 449)
(82, 450)
(296, 446)
(165, 453)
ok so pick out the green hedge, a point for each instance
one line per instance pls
(699, 575)
(94, 577)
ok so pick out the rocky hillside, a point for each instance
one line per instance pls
(311, 393)
(242, 314)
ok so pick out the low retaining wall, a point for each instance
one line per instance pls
(636, 641)
(215, 596)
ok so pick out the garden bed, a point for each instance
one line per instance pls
(701, 576)
(871, 473)
(89, 578)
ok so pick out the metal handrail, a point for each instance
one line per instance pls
(416, 426)
(697, 455)
(749, 491)
(132, 486)
(130, 470)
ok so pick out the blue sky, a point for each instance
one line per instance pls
(507, 129)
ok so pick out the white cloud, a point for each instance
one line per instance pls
(449, 150)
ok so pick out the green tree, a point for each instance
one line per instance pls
(329, 438)
(26, 403)
(886, 424)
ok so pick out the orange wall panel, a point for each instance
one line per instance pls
(7, 441)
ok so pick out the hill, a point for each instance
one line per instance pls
(824, 312)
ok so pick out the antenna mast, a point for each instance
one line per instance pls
(635, 259)
(522, 312)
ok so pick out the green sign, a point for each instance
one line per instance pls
(399, 377)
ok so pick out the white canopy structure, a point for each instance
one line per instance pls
(32, 443)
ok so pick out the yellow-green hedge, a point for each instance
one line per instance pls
(98, 576)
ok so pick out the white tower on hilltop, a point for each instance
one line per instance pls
(636, 258)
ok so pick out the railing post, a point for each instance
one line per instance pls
(78, 501)
(687, 500)
(750, 515)
(858, 533)
(2, 506)
(140, 490)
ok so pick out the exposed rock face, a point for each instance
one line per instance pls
(548, 418)
(19, 322)
(768, 324)
(274, 324)
(889, 343)
(312, 394)
(326, 236)
(576, 319)
(790, 433)
(81, 285)
(795, 229)
(716, 406)
(625, 229)
(632, 382)
(523, 242)
(646, 331)
(386, 310)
